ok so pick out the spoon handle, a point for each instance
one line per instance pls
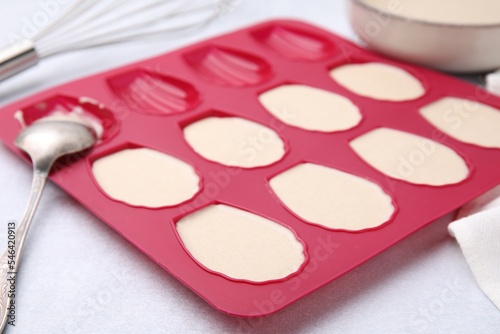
(9, 262)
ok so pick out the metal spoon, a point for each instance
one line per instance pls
(44, 141)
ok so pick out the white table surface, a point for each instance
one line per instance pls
(79, 276)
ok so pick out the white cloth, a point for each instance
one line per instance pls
(79, 276)
(478, 233)
(477, 230)
(493, 82)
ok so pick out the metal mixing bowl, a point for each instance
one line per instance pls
(448, 47)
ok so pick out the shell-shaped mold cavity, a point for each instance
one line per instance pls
(378, 81)
(311, 108)
(145, 177)
(149, 92)
(332, 198)
(106, 124)
(295, 44)
(229, 67)
(411, 158)
(241, 245)
(234, 141)
(465, 120)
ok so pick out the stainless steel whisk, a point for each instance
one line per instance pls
(91, 23)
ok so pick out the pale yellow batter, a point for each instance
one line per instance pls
(332, 198)
(411, 158)
(235, 141)
(462, 12)
(465, 120)
(311, 108)
(378, 81)
(145, 177)
(240, 244)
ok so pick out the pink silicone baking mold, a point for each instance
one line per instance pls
(146, 104)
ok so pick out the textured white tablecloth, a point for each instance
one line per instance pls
(79, 276)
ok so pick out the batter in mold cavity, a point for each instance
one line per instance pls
(465, 120)
(234, 141)
(332, 198)
(241, 245)
(411, 158)
(77, 114)
(311, 108)
(145, 177)
(378, 81)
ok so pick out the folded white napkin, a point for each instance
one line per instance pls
(493, 82)
(477, 230)
(478, 233)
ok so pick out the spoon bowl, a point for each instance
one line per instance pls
(46, 141)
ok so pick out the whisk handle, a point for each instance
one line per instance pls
(16, 58)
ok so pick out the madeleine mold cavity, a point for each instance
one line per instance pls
(145, 177)
(378, 81)
(150, 92)
(295, 44)
(311, 108)
(411, 158)
(332, 198)
(234, 141)
(241, 245)
(97, 113)
(465, 120)
(229, 67)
